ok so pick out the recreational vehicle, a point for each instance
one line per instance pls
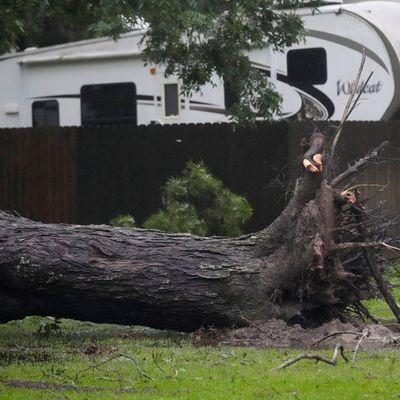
(105, 82)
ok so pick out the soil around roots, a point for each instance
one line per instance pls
(277, 333)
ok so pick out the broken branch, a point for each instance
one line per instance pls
(365, 334)
(361, 163)
(348, 109)
(356, 224)
(361, 245)
(316, 357)
(316, 343)
(382, 285)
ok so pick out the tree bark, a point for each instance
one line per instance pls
(179, 281)
(136, 276)
(128, 276)
(145, 277)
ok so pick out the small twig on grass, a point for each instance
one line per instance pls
(244, 342)
(154, 357)
(365, 334)
(94, 366)
(316, 357)
(63, 380)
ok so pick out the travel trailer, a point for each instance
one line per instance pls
(100, 82)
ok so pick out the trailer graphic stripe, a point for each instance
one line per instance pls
(77, 96)
(58, 96)
(351, 44)
(393, 110)
(208, 109)
(309, 89)
(142, 98)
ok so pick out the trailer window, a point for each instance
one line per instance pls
(231, 96)
(307, 66)
(171, 99)
(45, 113)
(108, 104)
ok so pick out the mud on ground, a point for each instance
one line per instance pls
(278, 334)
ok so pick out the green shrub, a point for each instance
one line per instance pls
(123, 221)
(49, 326)
(199, 203)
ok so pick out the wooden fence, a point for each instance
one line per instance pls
(89, 175)
(38, 173)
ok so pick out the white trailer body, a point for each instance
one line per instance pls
(343, 33)
(102, 82)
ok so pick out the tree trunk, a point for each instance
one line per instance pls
(136, 276)
(128, 276)
(290, 270)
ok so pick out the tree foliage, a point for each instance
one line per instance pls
(198, 203)
(25, 23)
(197, 40)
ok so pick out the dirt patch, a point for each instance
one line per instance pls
(278, 334)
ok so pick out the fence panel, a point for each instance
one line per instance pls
(38, 173)
(89, 175)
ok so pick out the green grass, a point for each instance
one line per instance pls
(165, 365)
(379, 308)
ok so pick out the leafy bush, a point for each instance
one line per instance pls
(49, 326)
(123, 221)
(199, 203)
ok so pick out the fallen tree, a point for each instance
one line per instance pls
(317, 258)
